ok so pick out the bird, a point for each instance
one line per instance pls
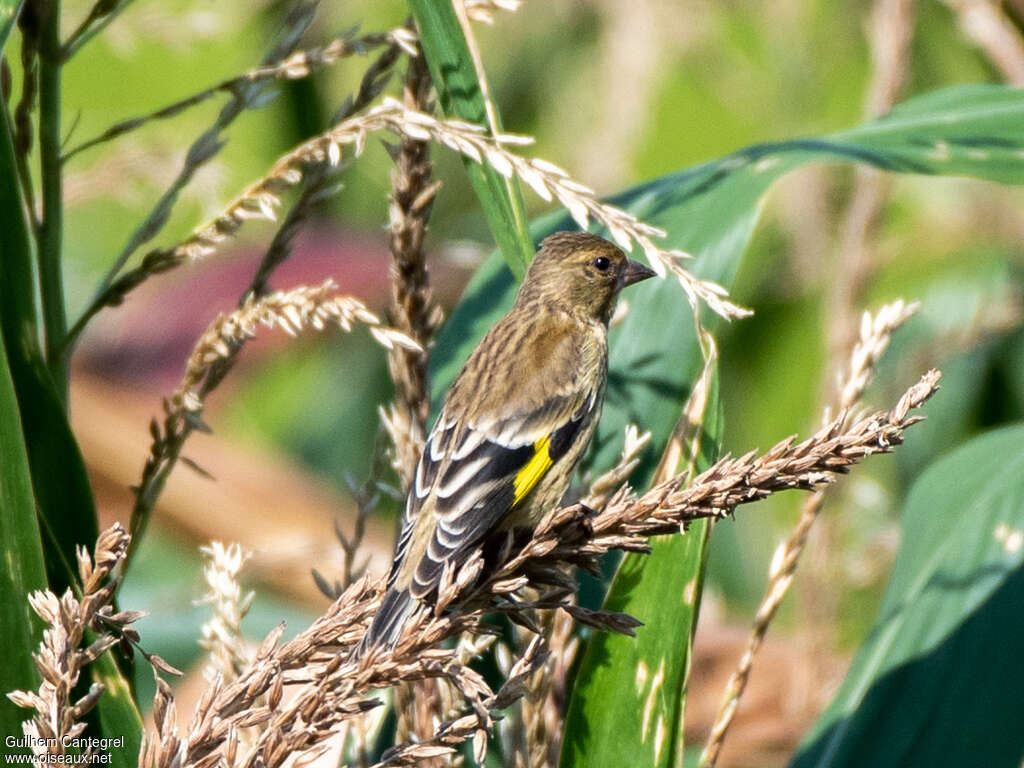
(515, 422)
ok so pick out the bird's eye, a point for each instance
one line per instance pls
(602, 263)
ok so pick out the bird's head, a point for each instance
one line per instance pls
(580, 272)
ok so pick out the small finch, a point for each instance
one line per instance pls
(515, 423)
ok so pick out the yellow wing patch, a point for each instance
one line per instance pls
(533, 471)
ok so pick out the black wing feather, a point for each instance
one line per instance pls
(454, 538)
(563, 437)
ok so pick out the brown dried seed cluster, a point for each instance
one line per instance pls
(221, 635)
(604, 485)
(412, 308)
(292, 311)
(260, 199)
(61, 657)
(332, 687)
(418, 706)
(875, 334)
(543, 705)
(476, 726)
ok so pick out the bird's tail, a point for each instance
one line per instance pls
(389, 620)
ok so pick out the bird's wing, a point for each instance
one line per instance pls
(477, 467)
(472, 478)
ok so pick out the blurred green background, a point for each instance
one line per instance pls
(617, 93)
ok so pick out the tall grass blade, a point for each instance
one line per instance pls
(457, 84)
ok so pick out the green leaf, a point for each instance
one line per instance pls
(21, 567)
(628, 701)
(967, 130)
(457, 84)
(937, 682)
(953, 300)
(9, 10)
(117, 713)
(66, 508)
(19, 311)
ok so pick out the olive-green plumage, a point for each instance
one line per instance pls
(516, 421)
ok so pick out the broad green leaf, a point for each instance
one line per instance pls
(967, 130)
(937, 682)
(21, 567)
(457, 84)
(8, 17)
(959, 298)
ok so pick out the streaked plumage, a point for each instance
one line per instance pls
(515, 422)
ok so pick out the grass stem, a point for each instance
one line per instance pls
(51, 227)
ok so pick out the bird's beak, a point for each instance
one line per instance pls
(635, 272)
